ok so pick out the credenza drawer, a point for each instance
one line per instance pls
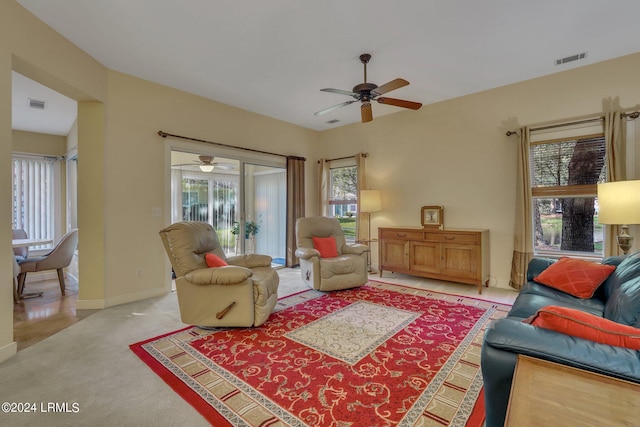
(463, 239)
(402, 234)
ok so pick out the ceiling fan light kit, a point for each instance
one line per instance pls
(206, 164)
(367, 92)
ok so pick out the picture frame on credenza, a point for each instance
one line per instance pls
(432, 217)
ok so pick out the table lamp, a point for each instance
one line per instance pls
(619, 204)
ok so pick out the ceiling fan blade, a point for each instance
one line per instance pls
(388, 87)
(223, 166)
(335, 107)
(400, 103)
(340, 91)
(365, 112)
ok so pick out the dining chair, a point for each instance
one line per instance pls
(16, 273)
(22, 252)
(60, 257)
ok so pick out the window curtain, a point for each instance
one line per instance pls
(523, 233)
(615, 146)
(325, 188)
(295, 205)
(361, 224)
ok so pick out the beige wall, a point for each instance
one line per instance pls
(456, 154)
(137, 110)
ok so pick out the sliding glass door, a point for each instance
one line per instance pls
(265, 191)
(245, 202)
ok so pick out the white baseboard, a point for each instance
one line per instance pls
(136, 296)
(90, 304)
(120, 299)
(8, 351)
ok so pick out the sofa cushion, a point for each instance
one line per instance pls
(575, 276)
(628, 269)
(326, 246)
(576, 323)
(528, 304)
(624, 304)
(214, 260)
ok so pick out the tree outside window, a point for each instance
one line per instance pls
(564, 177)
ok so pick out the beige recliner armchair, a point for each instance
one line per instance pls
(243, 293)
(346, 270)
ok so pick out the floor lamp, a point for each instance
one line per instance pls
(619, 204)
(370, 202)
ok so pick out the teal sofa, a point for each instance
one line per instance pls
(616, 299)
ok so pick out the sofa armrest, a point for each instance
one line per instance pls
(250, 260)
(228, 275)
(522, 338)
(355, 249)
(307, 253)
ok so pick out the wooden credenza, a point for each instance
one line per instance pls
(456, 255)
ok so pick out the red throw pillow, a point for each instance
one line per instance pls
(326, 246)
(213, 260)
(575, 276)
(579, 324)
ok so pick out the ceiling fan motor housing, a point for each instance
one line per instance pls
(364, 89)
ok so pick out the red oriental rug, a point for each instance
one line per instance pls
(378, 355)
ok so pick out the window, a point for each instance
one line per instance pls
(343, 198)
(564, 177)
(34, 196)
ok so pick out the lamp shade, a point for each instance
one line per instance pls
(206, 168)
(370, 201)
(619, 202)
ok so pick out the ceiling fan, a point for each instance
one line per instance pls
(367, 92)
(207, 164)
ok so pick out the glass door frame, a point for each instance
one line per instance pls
(243, 156)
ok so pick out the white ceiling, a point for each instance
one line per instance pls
(58, 114)
(272, 57)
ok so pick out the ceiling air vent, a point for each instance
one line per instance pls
(576, 57)
(333, 121)
(38, 105)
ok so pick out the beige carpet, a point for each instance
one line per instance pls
(89, 366)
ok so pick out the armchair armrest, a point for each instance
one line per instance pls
(307, 253)
(357, 249)
(521, 338)
(228, 275)
(250, 260)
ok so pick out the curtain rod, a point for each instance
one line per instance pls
(165, 134)
(632, 115)
(343, 158)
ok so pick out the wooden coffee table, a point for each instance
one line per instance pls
(549, 394)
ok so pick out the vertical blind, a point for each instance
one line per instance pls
(34, 196)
